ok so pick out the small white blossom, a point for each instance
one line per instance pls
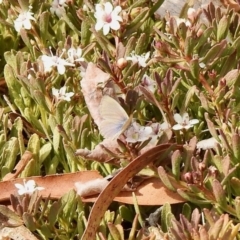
(191, 14)
(179, 21)
(158, 127)
(157, 130)
(75, 54)
(58, 7)
(28, 187)
(61, 94)
(54, 61)
(24, 20)
(137, 133)
(207, 143)
(183, 20)
(107, 17)
(148, 83)
(183, 121)
(140, 59)
(202, 65)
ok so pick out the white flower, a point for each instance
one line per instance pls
(207, 143)
(159, 127)
(54, 61)
(191, 14)
(157, 130)
(107, 17)
(137, 133)
(140, 59)
(24, 20)
(28, 187)
(183, 121)
(61, 94)
(148, 83)
(202, 65)
(58, 7)
(183, 20)
(75, 54)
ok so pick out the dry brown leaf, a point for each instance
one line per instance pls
(116, 184)
(151, 192)
(16, 233)
(26, 157)
(98, 153)
(55, 185)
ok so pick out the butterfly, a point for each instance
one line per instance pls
(115, 120)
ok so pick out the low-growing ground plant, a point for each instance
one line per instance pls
(144, 92)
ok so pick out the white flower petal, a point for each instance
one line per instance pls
(117, 10)
(17, 25)
(147, 55)
(106, 29)
(54, 92)
(19, 186)
(61, 69)
(115, 25)
(108, 7)
(187, 126)
(140, 59)
(178, 118)
(137, 133)
(99, 8)
(185, 117)
(177, 127)
(30, 183)
(50, 62)
(193, 121)
(39, 188)
(62, 90)
(75, 54)
(61, 94)
(70, 94)
(27, 25)
(99, 25)
(22, 191)
(58, 7)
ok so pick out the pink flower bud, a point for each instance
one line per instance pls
(121, 63)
